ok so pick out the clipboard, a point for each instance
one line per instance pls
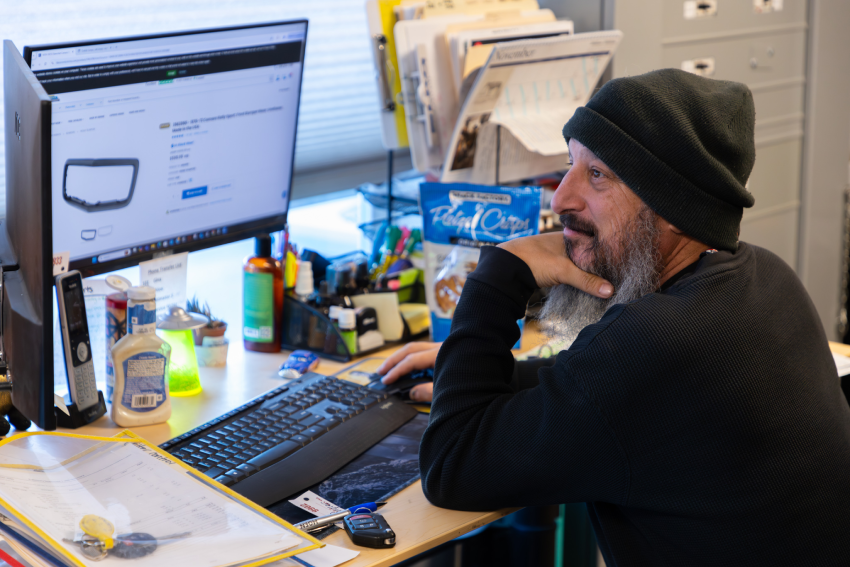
(48, 481)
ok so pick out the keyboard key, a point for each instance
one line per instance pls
(214, 472)
(206, 452)
(369, 401)
(278, 438)
(255, 439)
(357, 408)
(331, 409)
(233, 463)
(336, 397)
(252, 451)
(231, 450)
(214, 459)
(290, 409)
(195, 446)
(265, 422)
(300, 439)
(241, 446)
(273, 455)
(225, 480)
(266, 444)
(236, 475)
(205, 441)
(274, 406)
(311, 419)
(314, 432)
(329, 423)
(247, 469)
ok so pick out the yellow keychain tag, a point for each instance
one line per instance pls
(99, 528)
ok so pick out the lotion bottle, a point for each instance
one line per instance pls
(140, 361)
(262, 299)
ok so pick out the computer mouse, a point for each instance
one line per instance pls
(403, 385)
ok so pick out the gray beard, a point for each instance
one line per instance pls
(632, 265)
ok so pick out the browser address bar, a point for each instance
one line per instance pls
(182, 49)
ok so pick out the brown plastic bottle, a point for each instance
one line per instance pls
(262, 299)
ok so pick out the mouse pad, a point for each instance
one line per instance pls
(374, 476)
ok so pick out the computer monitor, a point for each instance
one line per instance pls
(170, 143)
(26, 242)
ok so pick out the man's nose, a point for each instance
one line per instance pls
(566, 198)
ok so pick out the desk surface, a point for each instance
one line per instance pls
(419, 526)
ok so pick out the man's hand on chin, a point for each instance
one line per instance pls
(545, 256)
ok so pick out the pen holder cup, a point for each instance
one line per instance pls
(306, 328)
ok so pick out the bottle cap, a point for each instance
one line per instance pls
(333, 312)
(347, 319)
(141, 293)
(304, 282)
(178, 319)
(263, 246)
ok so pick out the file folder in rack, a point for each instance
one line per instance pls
(510, 124)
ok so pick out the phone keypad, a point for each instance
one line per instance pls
(84, 383)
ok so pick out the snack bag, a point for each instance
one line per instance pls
(458, 219)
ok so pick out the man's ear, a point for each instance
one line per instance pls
(664, 226)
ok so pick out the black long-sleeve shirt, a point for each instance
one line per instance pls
(703, 424)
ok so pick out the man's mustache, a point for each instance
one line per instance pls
(577, 224)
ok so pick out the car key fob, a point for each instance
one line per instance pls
(369, 530)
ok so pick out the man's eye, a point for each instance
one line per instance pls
(595, 173)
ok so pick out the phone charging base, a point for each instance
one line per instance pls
(76, 418)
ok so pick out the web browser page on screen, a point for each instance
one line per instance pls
(163, 141)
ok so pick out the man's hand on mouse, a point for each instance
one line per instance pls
(409, 358)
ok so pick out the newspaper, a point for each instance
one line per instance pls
(519, 103)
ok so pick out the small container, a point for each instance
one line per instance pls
(140, 361)
(304, 282)
(348, 329)
(176, 329)
(330, 345)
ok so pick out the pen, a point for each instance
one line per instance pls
(316, 523)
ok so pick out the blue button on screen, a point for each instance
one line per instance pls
(196, 192)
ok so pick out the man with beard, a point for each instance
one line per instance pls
(698, 410)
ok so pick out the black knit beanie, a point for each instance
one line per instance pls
(683, 143)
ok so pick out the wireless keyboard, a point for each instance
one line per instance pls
(291, 437)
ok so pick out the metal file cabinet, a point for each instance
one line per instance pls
(730, 40)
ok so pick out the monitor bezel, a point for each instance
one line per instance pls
(250, 229)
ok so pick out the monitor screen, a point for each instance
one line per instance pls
(170, 143)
